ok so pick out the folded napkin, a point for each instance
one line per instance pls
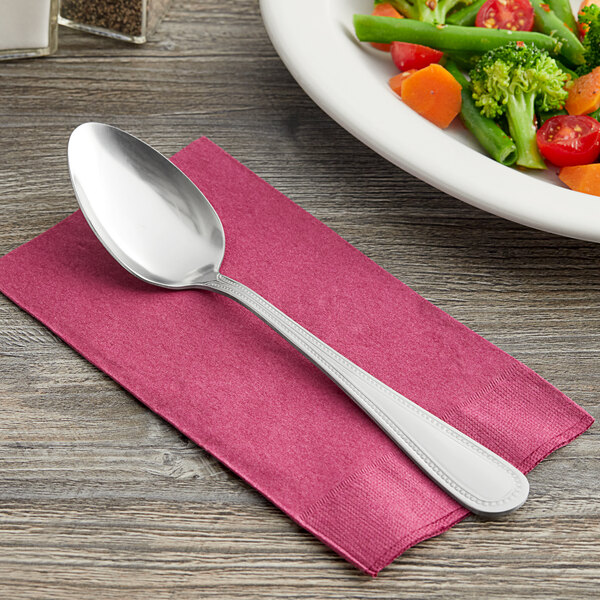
(233, 386)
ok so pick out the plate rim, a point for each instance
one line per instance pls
(533, 203)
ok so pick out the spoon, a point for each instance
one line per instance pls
(158, 225)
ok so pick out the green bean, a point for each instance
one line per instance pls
(487, 132)
(547, 22)
(465, 16)
(568, 71)
(464, 60)
(446, 37)
(544, 116)
(454, 70)
(562, 9)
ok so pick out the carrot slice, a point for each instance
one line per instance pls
(397, 80)
(385, 10)
(434, 94)
(582, 178)
(584, 94)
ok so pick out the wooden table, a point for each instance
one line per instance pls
(99, 498)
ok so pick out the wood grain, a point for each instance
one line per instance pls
(99, 498)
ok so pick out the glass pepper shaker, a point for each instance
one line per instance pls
(128, 20)
(28, 28)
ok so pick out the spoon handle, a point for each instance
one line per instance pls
(473, 475)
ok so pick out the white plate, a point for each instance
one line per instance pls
(348, 80)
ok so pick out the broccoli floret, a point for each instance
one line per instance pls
(589, 17)
(428, 11)
(515, 80)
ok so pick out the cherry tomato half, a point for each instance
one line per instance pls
(408, 56)
(516, 15)
(569, 140)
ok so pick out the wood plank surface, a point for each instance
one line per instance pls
(99, 498)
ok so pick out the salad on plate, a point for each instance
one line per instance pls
(522, 75)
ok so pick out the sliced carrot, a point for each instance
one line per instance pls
(584, 94)
(397, 80)
(434, 94)
(582, 178)
(384, 10)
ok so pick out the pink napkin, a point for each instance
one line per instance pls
(229, 383)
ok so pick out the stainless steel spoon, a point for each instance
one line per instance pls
(159, 226)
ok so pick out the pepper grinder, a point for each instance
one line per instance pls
(128, 20)
(28, 28)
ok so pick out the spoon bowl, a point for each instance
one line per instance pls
(160, 227)
(152, 219)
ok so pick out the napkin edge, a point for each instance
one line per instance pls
(528, 464)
